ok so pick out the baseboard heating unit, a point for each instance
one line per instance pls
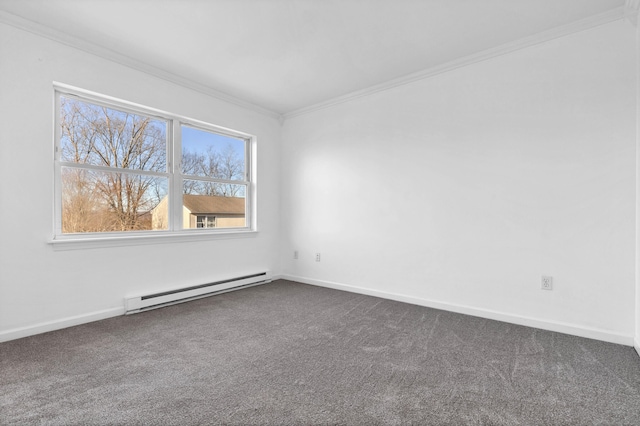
(158, 300)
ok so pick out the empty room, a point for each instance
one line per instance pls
(314, 212)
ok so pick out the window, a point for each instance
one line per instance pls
(213, 170)
(206, 222)
(123, 169)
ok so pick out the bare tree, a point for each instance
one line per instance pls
(81, 210)
(230, 168)
(96, 200)
(220, 164)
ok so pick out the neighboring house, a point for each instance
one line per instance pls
(203, 211)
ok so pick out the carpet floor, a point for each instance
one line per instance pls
(289, 353)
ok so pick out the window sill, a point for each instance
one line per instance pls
(81, 243)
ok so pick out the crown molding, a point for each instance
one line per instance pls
(543, 37)
(111, 55)
(628, 11)
(631, 10)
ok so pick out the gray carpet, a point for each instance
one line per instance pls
(288, 353)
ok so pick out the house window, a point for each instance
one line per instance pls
(126, 169)
(206, 222)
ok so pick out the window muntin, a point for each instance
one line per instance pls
(121, 168)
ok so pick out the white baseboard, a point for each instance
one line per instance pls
(18, 333)
(636, 345)
(44, 327)
(560, 327)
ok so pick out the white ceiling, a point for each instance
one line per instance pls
(284, 55)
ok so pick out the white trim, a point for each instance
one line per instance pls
(111, 55)
(66, 39)
(560, 327)
(140, 109)
(173, 174)
(543, 37)
(18, 333)
(136, 238)
(636, 345)
(107, 169)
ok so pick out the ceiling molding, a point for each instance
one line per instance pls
(628, 11)
(574, 27)
(631, 10)
(105, 53)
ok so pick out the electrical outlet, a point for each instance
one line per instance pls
(547, 283)
(317, 257)
(295, 254)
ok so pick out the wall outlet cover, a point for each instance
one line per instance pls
(547, 282)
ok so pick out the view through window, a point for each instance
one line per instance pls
(116, 171)
(213, 166)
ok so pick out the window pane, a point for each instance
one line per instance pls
(212, 155)
(213, 205)
(95, 201)
(93, 134)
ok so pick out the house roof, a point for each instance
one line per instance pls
(208, 204)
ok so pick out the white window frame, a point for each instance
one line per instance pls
(175, 232)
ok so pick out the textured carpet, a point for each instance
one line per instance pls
(288, 353)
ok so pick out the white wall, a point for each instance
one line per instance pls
(461, 190)
(41, 288)
(637, 58)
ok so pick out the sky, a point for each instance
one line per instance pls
(196, 140)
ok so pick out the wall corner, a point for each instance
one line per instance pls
(631, 10)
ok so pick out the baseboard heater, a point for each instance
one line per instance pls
(158, 300)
